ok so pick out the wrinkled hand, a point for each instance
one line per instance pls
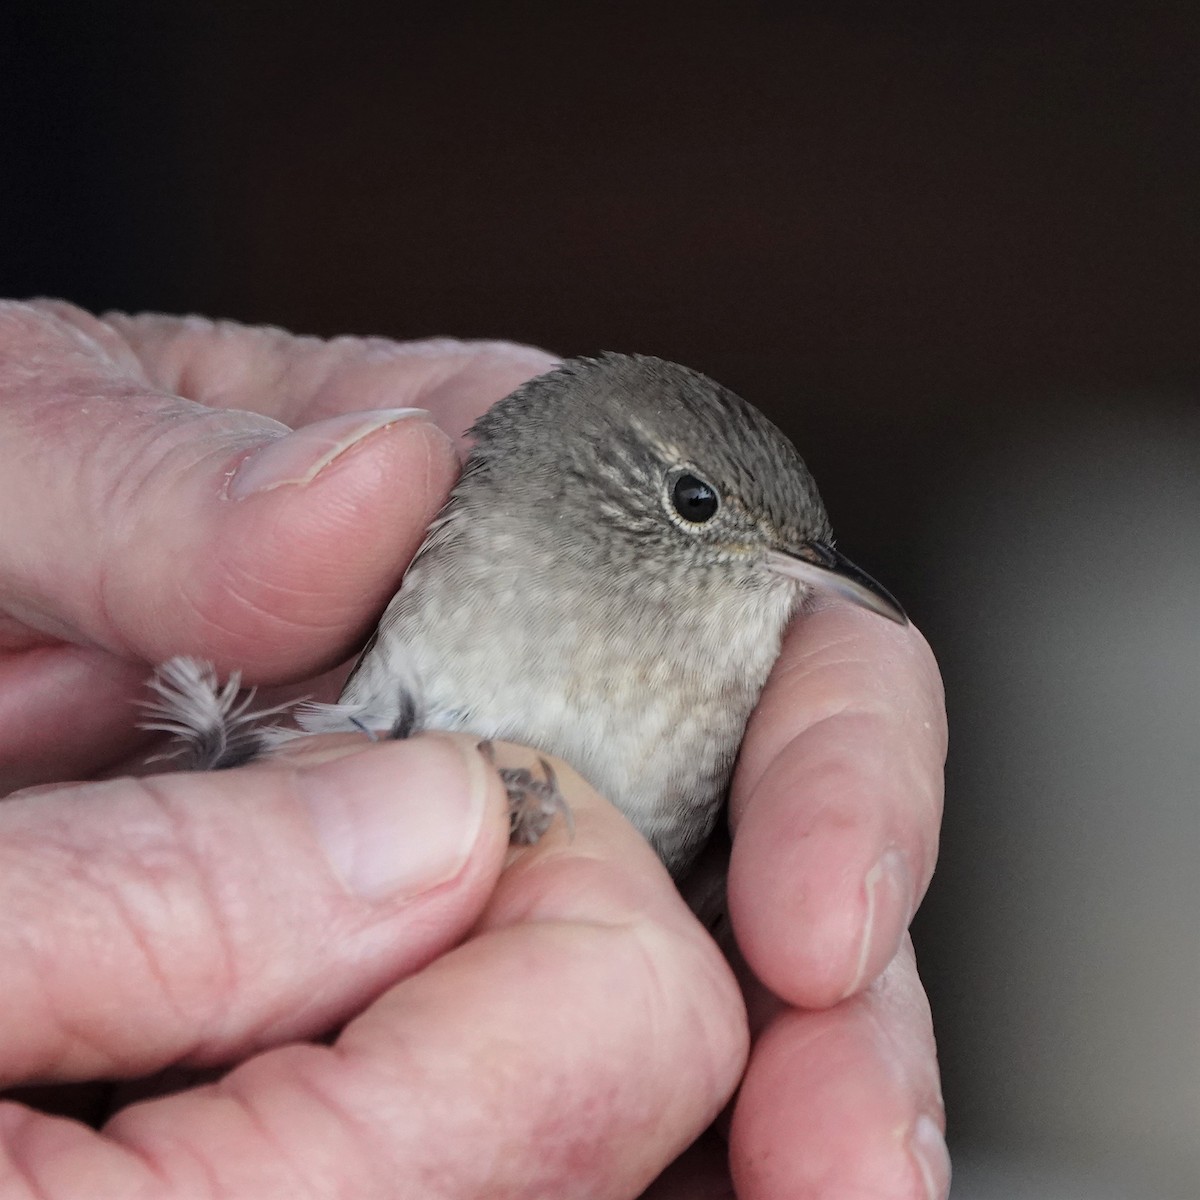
(164, 507)
(140, 523)
(208, 919)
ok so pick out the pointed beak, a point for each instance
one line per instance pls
(821, 566)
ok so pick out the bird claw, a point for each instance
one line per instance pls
(532, 803)
(363, 728)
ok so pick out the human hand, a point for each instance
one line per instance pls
(584, 1032)
(282, 586)
(198, 921)
(157, 506)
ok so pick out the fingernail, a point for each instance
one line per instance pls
(888, 890)
(928, 1149)
(299, 457)
(398, 819)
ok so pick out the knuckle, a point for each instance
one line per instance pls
(135, 924)
(169, 897)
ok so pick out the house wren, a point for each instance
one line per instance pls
(608, 582)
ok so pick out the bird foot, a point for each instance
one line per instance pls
(533, 803)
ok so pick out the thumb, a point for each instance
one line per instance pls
(151, 525)
(195, 917)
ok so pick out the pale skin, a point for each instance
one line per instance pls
(550, 1021)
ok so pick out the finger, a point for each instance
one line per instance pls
(836, 804)
(302, 379)
(65, 711)
(845, 1102)
(151, 525)
(194, 918)
(589, 1013)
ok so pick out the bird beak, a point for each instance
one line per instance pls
(819, 565)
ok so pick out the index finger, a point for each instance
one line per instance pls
(836, 804)
(299, 380)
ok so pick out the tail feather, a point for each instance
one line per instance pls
(212, 722)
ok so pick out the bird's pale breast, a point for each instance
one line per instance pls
(644, 688)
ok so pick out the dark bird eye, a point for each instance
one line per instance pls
(694, 500)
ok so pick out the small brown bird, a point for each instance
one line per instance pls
(608, 582)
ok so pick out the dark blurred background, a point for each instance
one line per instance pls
(952, 249)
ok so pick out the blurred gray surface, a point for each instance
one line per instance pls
(977, 1178)
(1070, 558)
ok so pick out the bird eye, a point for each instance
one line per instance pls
(694, 500)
